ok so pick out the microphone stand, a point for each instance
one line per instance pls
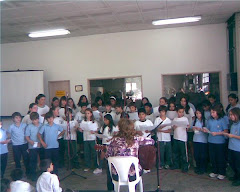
(154, 131)
(70, 166)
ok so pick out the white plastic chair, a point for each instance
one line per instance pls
(122, 165)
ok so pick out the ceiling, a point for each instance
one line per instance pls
(82, 18)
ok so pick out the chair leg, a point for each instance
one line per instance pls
(131, 187)
(116, 187)
(140, 185)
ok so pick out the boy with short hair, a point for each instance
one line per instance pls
(119, 113)
(133, 114)
(47, 181)
(164, 137)
(50, 143)
(180, 125)
(19, 143)
(149, 112)
(143, 122)
(33, 143)
(109, 110)
(206, 107)
(17, 185)
(97, 114)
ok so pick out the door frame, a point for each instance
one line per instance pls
(68, 81)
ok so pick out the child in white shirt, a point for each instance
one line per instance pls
(109, 110)
(47, 181)
(89, 126)
(17, 185)
(143, 124)
(149, 113)
(133, 114)
(180, 125)
(164, 137)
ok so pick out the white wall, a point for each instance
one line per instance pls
(149, 53)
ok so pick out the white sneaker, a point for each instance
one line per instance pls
(97, 171)
(220, 177)
(145, 171)
(212, 175)
(86, 169)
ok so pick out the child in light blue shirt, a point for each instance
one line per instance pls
(50, 142)
(19, 143)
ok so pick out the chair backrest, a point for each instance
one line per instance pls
(122, 165)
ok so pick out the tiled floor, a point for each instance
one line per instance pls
(170, 180)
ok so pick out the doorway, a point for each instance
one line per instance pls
(58, 89)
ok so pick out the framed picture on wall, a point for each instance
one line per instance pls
(78, 88)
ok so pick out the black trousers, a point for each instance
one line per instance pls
(21, 151)
(201, 155)
(33, 156)
(4, 158)
(61, 152)
(217, 158)
(234, 160)
(53, 154)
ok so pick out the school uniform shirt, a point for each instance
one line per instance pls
(107, 134)
(238, 106)
(216, 125)
(73, 132)
(27, 119)
(117, 118)
(97, 115)
(171, 114)
(101, 109)
(17, 134)
(74, 111)
(21, 186)
(32, 131)
(180, 133)
(48, 182)
(3, 147)
(62, 112)
(51, 135)
(163, 136)
(79, 116)
(190, 115)
(60, 121)
(87, 136)
(41, 111)
(147, 123)
(200, 136)
(126, 109)
(234, 144)
(207, 115)
(151, 117)
(133, 116)
(156, 112)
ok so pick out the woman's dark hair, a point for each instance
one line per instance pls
(31, 106)
(98, 99)
(16, 174)
(187, 106)
(170, 104)
(236, 111)
(39, 97)
(45, 164)
(234, 96)
(218, 108)
(74, 106)
(54, 99)
(146, 99)
(165, 99)
(80, 100)
(92, 118)
(63, 98)
(111, 123)
(203, 117)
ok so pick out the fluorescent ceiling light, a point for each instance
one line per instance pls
(49, 33)
(176, 20)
